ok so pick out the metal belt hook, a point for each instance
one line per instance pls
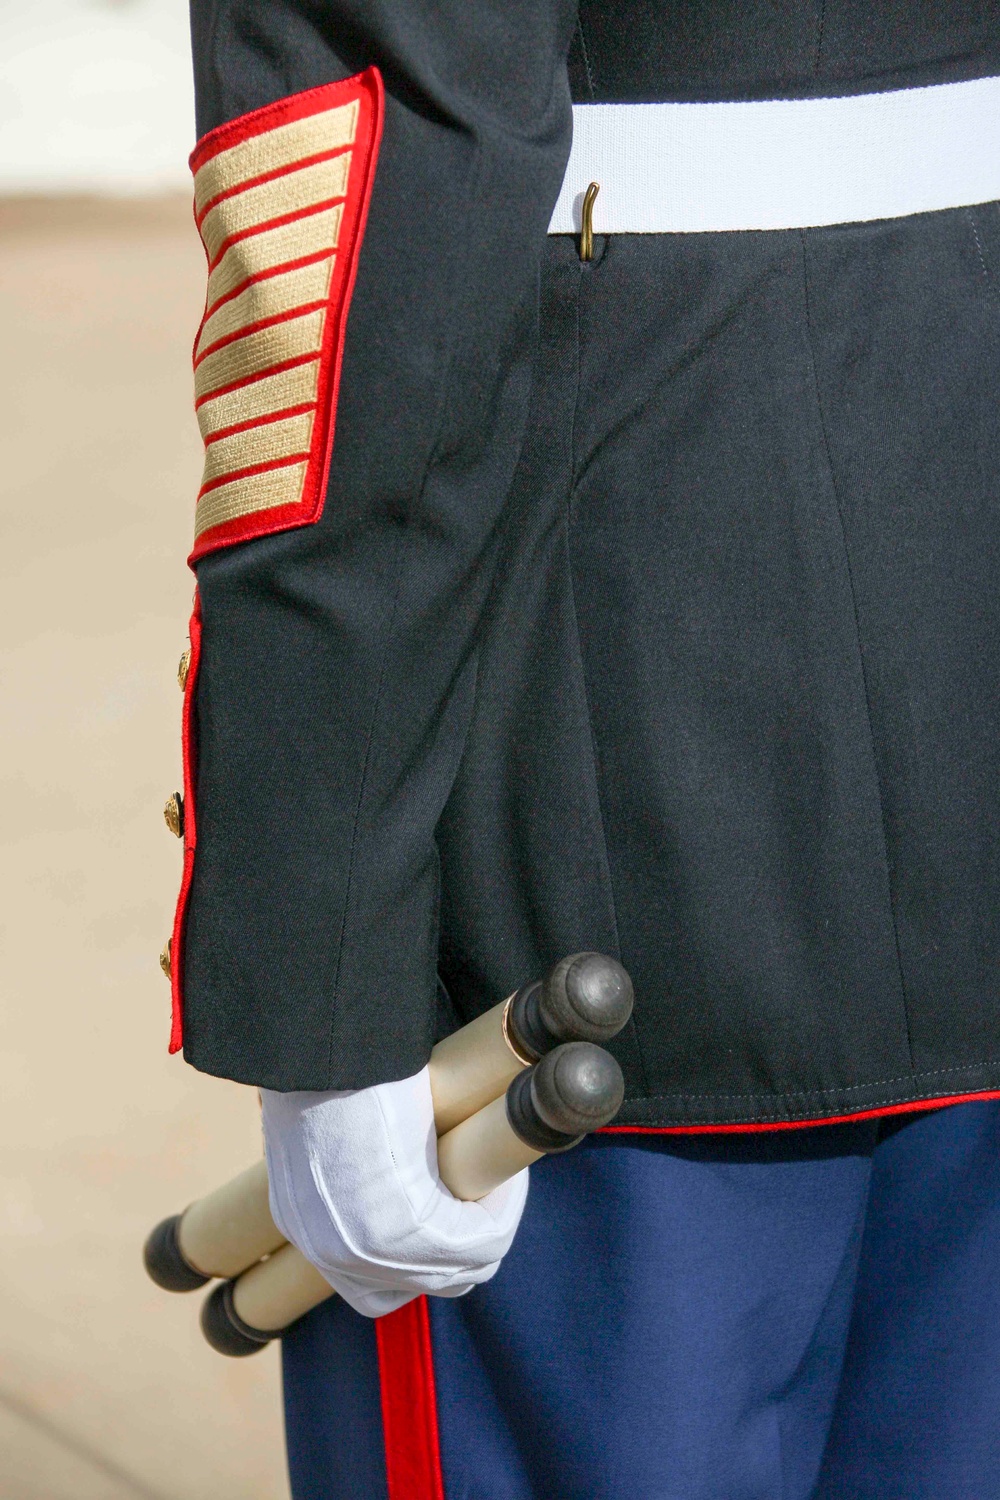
(587, 222)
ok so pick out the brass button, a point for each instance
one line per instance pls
(165, 958)
(183, 667)
(173, 814)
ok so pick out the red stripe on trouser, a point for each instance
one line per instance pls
(409, 1404)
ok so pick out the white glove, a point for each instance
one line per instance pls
(355, 1185)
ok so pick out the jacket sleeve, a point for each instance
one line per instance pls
(351, 496)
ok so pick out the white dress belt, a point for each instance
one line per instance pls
(782, 163)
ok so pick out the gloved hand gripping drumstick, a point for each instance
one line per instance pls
(485, 1138)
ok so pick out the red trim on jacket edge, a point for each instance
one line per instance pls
(751, 1127)
(190, 833)
(409, 1404)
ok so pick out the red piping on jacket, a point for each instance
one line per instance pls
(750, 1128)
(190, 832)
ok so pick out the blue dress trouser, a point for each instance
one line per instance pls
(800, 1315)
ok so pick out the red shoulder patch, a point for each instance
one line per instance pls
(281, 197)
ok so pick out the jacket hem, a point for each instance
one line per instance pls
(799, 1110)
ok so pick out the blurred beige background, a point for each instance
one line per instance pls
(107, 1390)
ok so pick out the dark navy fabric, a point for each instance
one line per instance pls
(653, 606)
(812, 1315)
(918, 1412)
(333, 1414)
(738, 703)
(648, 50)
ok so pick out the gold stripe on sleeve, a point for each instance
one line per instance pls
(275, 149)
(274, 247)
(271, 200)
(242, 497)
(266, 299)
(258, 445)
(260, 398)
(258, 351)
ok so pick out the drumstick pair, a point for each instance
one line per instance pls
(524, 1079)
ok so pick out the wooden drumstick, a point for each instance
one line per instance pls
(585, 997)
(219, 1235)
(575, 1088)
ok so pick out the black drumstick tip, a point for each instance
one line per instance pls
(576, 1088)
(586, 997)
(225, 1330)
(164, 1260)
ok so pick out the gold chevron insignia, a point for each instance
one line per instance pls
(280, 197)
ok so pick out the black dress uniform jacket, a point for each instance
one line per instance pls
(653, 605)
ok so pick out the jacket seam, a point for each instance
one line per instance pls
(362, 790)
(820, 31)
(828, 455)
(586, 58)
(971, 219)
(581, 673)
(432, 455)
